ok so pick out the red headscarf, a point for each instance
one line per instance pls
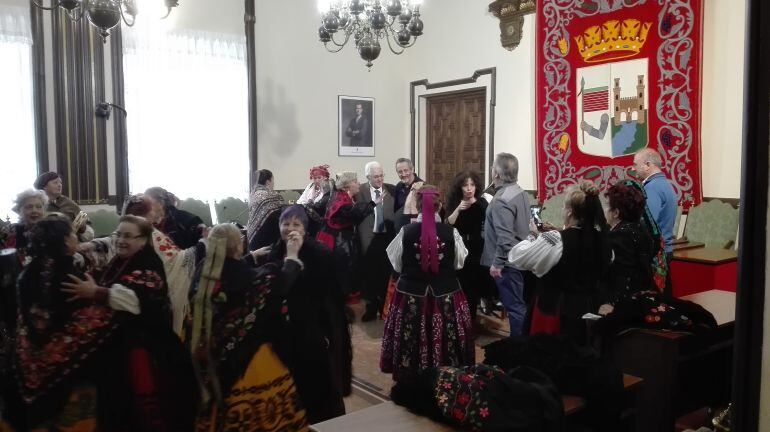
(428, 240)
(322, 170)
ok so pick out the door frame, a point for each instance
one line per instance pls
(416, 111)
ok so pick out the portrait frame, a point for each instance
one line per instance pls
(355, 136)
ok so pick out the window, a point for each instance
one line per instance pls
(187, 124)
(17, 109)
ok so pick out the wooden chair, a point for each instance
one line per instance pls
(103, 222)
(232, 210)
(714, 223)
(198, 208)
(677, 220)
(553, 211)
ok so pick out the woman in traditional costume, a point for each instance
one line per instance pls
(571, 265)
(265, 205)
(178, 264)
(428, 323)
(150, 383)
(316, 197)
(339, 232)
(236, 312)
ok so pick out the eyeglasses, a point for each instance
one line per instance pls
(125, 236)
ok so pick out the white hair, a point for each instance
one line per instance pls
(507, 167)
(370, 166)
(22, 197)
(345, 178)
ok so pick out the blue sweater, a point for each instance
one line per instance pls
(662, 202)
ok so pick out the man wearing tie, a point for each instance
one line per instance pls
(375, 233)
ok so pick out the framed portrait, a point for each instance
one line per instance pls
(356, 126)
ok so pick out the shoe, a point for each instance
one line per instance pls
(370, 314)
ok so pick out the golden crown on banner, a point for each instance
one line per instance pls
(613, 40)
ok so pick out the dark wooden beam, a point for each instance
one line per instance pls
(249, 20)
(38, 73)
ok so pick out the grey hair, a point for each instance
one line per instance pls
(27, 194)
(370, 166)
(407, 160)
(230, 233)
(650, 155)
(507, 167)
(345, 178)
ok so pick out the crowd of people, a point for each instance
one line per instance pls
(168, 324)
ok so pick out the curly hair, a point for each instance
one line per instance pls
(455, 194)
(628, 201)
(48, 237)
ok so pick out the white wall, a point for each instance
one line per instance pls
(724, 24)
(297, 87)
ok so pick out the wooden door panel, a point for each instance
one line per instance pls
(456, 136)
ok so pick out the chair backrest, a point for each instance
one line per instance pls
(553, 211)
(198, 208)
(289, 195)
(677, 221)
(232, 210)
(714, 223)
(103, 222)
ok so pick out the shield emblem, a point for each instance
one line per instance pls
(612, 102)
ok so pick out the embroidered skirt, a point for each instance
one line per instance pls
(422, 332)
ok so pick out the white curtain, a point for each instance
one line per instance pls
(17, 109)
(186, 97)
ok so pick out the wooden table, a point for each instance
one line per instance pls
(687, 245)
(703, 269)
(670, 370)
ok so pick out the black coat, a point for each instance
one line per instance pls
(631, 268)
(182, 227)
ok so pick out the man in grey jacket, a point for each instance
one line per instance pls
(506, 224)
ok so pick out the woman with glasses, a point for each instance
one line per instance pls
(150, 384)
(179, 264)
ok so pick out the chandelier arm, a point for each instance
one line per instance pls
(79, 15)
(347, 37)
(326, 45)
(125, 21)
(387, 38)
(168, 12)
(48, 8)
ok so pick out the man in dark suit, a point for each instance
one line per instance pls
(408, 178)
(375, 233)
(358, 129)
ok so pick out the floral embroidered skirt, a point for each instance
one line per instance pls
(422, 332)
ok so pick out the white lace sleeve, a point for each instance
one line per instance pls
(460, 251)
(123, 299)
(305, 197)
(395, 250)
(539, 255)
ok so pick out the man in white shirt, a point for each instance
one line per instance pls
(375, 233)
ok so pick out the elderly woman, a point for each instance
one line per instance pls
(30, 206)
(184, 228)
(51, 183)
(467, 211)
(428, 323)
(570, 265)
(316, 346)
(265, 205)
(316, 197)
(236, 315)
(178, 264)
(151, 384)
(339, 233)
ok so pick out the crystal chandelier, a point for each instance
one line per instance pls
(369, 21)
(102, 14)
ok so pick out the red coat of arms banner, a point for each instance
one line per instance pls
(614, 77)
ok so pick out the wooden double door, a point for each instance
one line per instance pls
(456, 136)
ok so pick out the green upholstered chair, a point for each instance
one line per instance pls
(290, 195)
(553, 211)
(232, 210)
(103, 222)
(531, 197)
(677, 220)
(198, 208)
(714, 223)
